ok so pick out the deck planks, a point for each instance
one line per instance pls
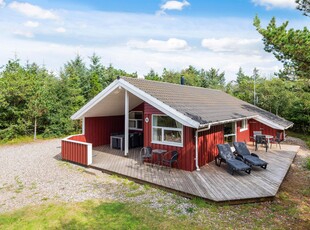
(211, 182)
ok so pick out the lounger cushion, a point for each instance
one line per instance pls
(254, 160)
(237, 165)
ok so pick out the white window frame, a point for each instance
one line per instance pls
(235, 134)
(242, 128)
(136, 121)
(163, 142)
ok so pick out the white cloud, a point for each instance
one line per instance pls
(26, 34)
(237, 45)
(2, 3)
(172, 44)
(60, 30)
(269, 4)
(109, 39)
(32, 24)
(32, 11)
(172, 5)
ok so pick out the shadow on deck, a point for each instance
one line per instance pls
(211, 183)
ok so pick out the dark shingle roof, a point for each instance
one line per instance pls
(201, 104)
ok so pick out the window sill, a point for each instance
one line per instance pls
(135, 129)
(241, 130)
(168, 143)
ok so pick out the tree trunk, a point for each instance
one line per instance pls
(35, 129)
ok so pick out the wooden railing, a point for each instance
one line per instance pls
(76, 149)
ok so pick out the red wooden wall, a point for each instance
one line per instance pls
(207, 141)
(243, 136)
(74, 152)
(186, 153)
(257, 126)
(98, 129)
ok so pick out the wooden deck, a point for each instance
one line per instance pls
(211, 182)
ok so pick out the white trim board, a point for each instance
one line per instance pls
(269, 123)
(184, 120)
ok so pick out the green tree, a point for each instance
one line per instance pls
(152, 75)
(243, 88)
(95, 74)
(212, 79)
(291, 47)
(304, 6)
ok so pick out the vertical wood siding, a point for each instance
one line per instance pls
(74, 152)
(98, 129)
(186, 153)
(243, 136)
(207, 144)
(257, 126)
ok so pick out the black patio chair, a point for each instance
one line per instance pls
(261, 139)
(146, 153)
(173, 158)
(277, 139)
(249, 158)
(234, 163)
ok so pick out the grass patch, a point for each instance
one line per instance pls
(20, 185)
(90, 215)
(307, 163)
(21, 140)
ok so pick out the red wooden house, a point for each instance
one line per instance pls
(191, 120)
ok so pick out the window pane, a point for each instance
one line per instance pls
(165, 121)
(139, 124)
(172, 136)
(244, 124)
(138, 115)
(157, 134)
(229, 128)
(132, 124)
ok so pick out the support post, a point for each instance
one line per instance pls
(126, 123)
(83, 126)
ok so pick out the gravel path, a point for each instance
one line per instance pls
(33, 174)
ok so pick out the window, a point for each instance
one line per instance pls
(244, 125)
(135, 120)
(230, 133)
(166, 130)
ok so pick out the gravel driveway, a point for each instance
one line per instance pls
(33, 174)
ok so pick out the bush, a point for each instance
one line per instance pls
(307, 164)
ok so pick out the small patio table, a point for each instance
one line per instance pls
(159, 153)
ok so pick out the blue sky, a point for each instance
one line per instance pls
(137, 35)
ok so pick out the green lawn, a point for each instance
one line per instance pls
(283, 214)
(90, 215)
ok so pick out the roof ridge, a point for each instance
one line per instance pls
(169, 83)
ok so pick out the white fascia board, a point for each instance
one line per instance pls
(80, 113)
(184, 120)
(269, 123)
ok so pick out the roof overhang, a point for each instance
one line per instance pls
(270, 123)
(140, 94)
(225, 121)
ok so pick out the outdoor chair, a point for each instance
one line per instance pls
(234, 163)
(278, 139)
(261, 139)
(249, 158)
(172, 158)
(146, 154)
(254, 135)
